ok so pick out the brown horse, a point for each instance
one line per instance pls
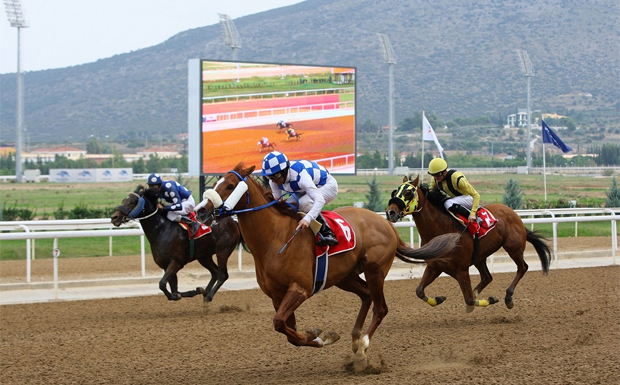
(271, 146)
(286, 274)
(432, 220)
(292, 134)
(171, 247)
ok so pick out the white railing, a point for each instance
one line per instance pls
(32, 230)
(74, 228)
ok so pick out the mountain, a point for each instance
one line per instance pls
(456, 59)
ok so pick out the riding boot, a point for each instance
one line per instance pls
(326, 235)
(458, 209)
(193, 225)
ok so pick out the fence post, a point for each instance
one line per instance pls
(56, 254)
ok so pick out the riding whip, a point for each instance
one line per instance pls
(287, 242)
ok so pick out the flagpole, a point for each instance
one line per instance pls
(422, 165)
(544, 169)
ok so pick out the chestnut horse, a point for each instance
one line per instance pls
(432, 219)
(171, 247)
(286, 274)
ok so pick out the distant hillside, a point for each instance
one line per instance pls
(453, 58)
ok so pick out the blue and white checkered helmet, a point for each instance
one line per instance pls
(154, 179)
(274, 162)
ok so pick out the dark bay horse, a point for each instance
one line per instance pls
(281, 127)
(287, 275)
(171, 247)
(432, 219)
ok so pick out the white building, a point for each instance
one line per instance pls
(519, 119)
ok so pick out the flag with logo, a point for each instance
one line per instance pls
(429, 134)
(551, 137)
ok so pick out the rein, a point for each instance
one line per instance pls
(222, 211)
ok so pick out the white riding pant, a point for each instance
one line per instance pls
(329, 191)
(463, 200)
(187, 207)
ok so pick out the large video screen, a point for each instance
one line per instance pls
(249, 109)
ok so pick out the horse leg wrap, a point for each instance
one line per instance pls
(430, 301)
(482, 303)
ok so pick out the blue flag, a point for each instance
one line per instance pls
(550, 137)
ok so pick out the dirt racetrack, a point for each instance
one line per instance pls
(564, 329)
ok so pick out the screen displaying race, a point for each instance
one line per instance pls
(250, 109)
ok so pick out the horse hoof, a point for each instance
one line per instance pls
(469, 308)
(440, 300)
(176, 296)
(201, 290)
(493, 300)
(360, 362)
(208, 298)
(330, 338)
(314, 333)
(510, 304)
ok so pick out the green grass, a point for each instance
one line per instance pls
(73, 247)
(45, 198)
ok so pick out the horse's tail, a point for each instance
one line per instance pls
(436, 248)
(542, 249)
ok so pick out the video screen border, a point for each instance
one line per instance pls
(310, 96)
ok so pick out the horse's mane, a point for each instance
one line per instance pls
(151, 195)
(434, 196)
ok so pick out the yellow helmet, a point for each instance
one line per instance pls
(437, 165)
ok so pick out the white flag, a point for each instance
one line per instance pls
(429, 134)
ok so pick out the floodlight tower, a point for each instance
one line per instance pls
(231, 37)
(528, 71)
(390, 58)
(15, 14)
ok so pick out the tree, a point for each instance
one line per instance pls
(93, 146)
(613, 195)
(368, 126)
(375, 202)
(513, 196)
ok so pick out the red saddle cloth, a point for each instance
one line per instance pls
(344, 235)
(486, 223)
(202, 229)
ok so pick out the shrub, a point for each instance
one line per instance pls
(613, 195)
(513, 196)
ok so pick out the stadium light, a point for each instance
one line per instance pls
(528, 71)
(15, 15)
(231, 37)
(390, 58)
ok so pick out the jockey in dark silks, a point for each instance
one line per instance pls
(180, 200)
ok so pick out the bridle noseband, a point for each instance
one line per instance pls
(405, 205)
(137, 210)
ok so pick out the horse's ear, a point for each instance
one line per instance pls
(416, 181)
(249, 171)
(405, 180)
(393, 193)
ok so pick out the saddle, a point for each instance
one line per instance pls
(346, 241)
(202, 229)
(486, 222)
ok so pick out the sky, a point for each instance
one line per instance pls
(65, 33)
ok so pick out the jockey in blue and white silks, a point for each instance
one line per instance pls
(311, 183)
(179, 198)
